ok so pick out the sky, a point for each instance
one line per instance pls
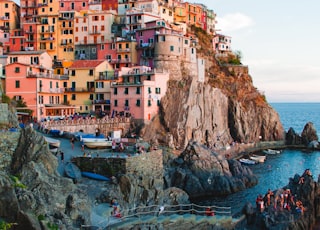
(279, 42)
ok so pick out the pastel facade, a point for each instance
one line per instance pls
(83, 75)
(139, 93)
(110, 4)
(9, 15)
(222, 43)
(73, 5)
(65, 49)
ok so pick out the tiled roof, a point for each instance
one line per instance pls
(84, 64)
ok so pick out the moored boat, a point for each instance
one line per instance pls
(259, 159)
(97, 142)
(271, 151)
(95, 176)
(53, 142)
(247, 161)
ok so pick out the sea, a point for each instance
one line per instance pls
(275, 172)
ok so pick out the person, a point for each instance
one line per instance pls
(161, 209)
(62, 156)
(114, 145)
(72, 142)
(82, 145)
(209, 212)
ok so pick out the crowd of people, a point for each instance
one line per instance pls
(282, 199)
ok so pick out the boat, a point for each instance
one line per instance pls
(271, 151)
(97, 142)
(247, 161)
(259, 159)
(56, 133)
(95, 176)
(52, 142)
(72, 171)
(53, 149)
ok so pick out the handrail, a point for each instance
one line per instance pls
(169, 210)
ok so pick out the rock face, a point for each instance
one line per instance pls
(201, 172)
(32, 191)
(192, 110)
(308, 138)
(307, 192)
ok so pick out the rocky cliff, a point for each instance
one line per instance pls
(226, 107)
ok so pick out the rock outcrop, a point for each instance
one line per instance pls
(308, 138)
(280, 218)
(192, 110)
(201, 172)
(33, 193)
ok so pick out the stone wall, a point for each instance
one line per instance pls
(90, 125)
(143, 164)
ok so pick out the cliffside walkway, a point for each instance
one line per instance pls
(171, 214)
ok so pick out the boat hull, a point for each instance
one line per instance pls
(95, 176)
(97, 143)
(53, 142)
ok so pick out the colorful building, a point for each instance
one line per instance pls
(29, 78)
(85, 76)
(221, 43)
(138, 93)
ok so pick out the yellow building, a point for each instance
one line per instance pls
(9, 15)
(47, 29)
(126, 53)
(180, 12)
(65, 38)
(82, 86)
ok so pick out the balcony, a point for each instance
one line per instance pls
(127, 50)
(31, 74)
(106, 76)
(121, 84)
(105, 102)
(124, 60)
(94, 2)
(29, 32)
(79, 90)
(137, 73)
(4, 18)
(145, 45)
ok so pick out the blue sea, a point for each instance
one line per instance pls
(275, 172)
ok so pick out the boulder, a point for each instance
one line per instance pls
(201, 172)
(309, 134)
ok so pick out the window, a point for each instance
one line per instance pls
(158, 91)
(73, 72)
(73, 97)
(149, 90)
(126, 91)
(18, 98)
(6, 5)
(171, 48)
(90, 72)
(115, 91)
(158, 103)
(149, 102)
(17, 70)
(50, 84)
(57, 85)
(138, 90)
(65, 84)
(83, 4)
(138, 102)
(186, 42)
(91, 97)
(86, 107)
(126, 102)
(115, 103)
(17, 84)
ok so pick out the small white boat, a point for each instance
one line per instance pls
(259, 159)
(271, 151)
(247, 161)
(53, 142)
(97, 142)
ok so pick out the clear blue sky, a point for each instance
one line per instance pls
(279, 41)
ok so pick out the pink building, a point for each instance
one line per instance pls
(29, 78)
(73, 5)
(138, 93)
